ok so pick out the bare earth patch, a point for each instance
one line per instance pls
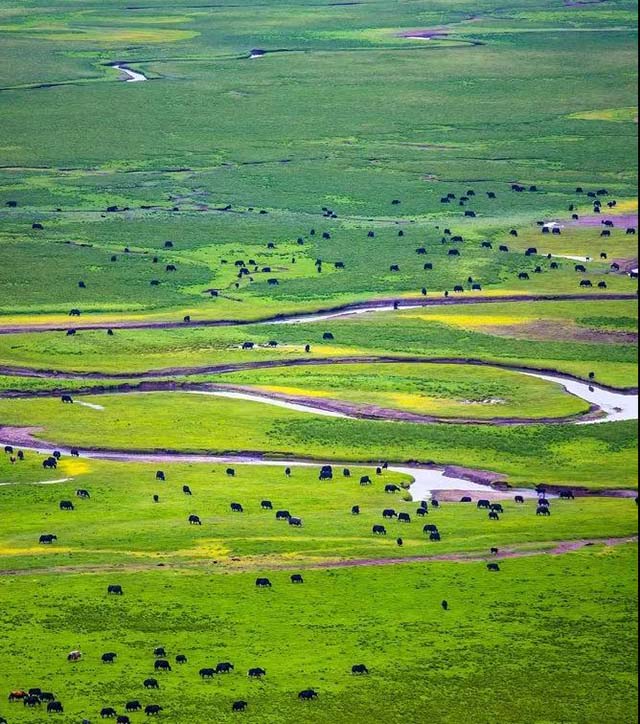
(550, 330)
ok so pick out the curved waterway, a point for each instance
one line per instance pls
(132, 76)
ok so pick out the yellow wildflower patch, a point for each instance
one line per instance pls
(74, 467)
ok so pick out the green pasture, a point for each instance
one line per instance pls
(121, 525)
(540, 622)
(442, 390)
(594, 456)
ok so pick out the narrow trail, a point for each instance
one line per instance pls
(376, 305)
(542, 548)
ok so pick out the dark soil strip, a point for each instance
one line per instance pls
(258, 365)
(374, 305)
(556, 549)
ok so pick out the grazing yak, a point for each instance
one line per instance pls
(379, 530)
(493, 566)
(239, 706)
(263, 583)
(359, 669)
(115, 590)
(307, 695)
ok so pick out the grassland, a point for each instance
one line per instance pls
(321, 165)
(561, 454)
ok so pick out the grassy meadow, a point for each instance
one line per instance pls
(367, 151)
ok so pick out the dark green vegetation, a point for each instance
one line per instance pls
(226, 188)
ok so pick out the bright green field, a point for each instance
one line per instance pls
(193, 423)
(451, 391)
(310, 636)
(235, 189)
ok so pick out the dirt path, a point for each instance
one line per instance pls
(375, 305)
(238, 565)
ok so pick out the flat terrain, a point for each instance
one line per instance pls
(397, 238)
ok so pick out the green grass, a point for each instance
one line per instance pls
(120, 524)
(179, 421)
(442, 390)
(553, 656)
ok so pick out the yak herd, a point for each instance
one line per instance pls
(246, 269)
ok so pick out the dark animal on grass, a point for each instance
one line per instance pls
(493, 515)
(296, 578)
(156, 498)
(236, 508)
(603, 255)
(388, 513)
(602, 285)
(428, 266)
(544, 501)
(266, 505)
(421, 512)
(430, 528)
(567, 495)
(74, 656)
(631, 230)
(458, 288)
(445, 605)
(554, 265)
(365, 480)
(391, 489)
(494, 551)
(152, 709)
(133, 706)
(355, 510)
(162, 665)
(263, 583)
(493, 567)
(194, 520)
(108, 712)
(586, 283)
(435, 537)
(115, 590)
(47, 696)
(404, 518)
(605, 232)
(454, 252)
(186, 490)
(55, 707)
(502, 247)
(326, 472)
(346, 473)
(497, 507)
(543, 510)
(491, 194)
(523, 275)
(31, 701)
(519, 499)
(74, 453)
(50, 464)
(295, 522)
(248, 345)
(379, 530)
(151, 684)
(483, 504)
(239, 706)
(256, 673)
(465, 499)
(359, 669)
(556, 230)
(224, 668)
(160, 475)
(486, 245)
(470, 214)
(160, 652)
(513, 232)
(67, 399)
(109, 658)
(66, 505)
(181, 659)
(307, 695)
(283, 515)
(207, 673)
(123, 719)
(531, 251)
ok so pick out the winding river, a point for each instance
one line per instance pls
(131, 76)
